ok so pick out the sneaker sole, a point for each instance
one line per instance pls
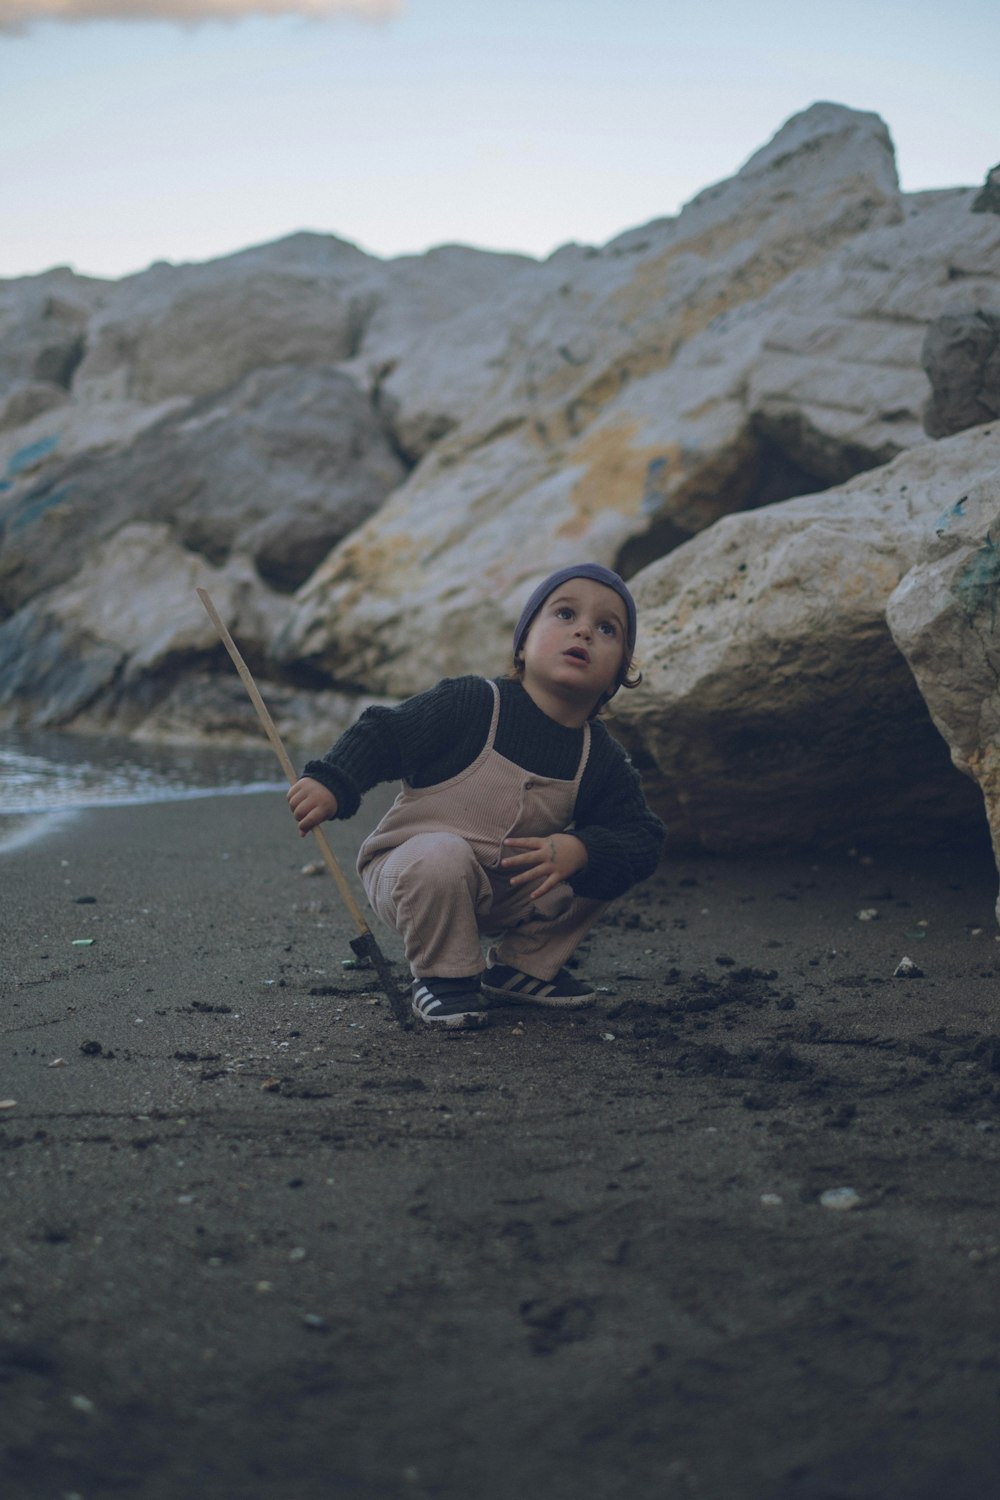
(466, 1020)
(548, 1002)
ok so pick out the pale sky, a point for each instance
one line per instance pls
(142, 130)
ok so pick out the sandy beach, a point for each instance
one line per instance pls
(731, 1235)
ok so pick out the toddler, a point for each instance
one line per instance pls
(519, 817)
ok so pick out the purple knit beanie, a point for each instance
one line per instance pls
(563, 575)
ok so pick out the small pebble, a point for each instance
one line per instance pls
(771, 1200)
(82, 1403)
(57, 1062)
(313, 1320)
(841, 1199)
(8, 1103)
(907, 969)
(607, 1036)
(868, 914)
(316, 868)
(297, 1254)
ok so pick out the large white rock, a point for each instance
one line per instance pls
(608, 403)
(944, 615)
(436, 336)
(764, 344)
(88, 364)
(775, 708)
(131, 610)
(192, 330)
(280, 466)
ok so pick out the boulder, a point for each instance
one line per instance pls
(775, 709)
(765, 344)
(943, 617)
(193, 330)
(961, 356)
(421, 335)
(130, 616)
(726, 405)
(436, 337)
(282, 466)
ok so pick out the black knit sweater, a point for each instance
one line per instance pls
(436, 734)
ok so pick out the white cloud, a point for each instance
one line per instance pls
(16, 15)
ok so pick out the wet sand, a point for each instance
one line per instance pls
(258, 1241)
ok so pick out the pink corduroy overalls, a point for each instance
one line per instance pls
(431, 869)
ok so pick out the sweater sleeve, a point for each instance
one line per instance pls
(443, 727)
(622, 835)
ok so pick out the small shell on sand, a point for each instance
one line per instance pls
(841, 1199)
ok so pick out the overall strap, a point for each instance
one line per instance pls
(584, 756)
(494, 721)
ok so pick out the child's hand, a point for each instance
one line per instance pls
(311, 803)
(552, 859)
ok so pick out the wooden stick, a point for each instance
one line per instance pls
(365, 943)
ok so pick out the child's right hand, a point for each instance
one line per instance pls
(312, 804)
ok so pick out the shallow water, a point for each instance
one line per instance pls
(47, 779)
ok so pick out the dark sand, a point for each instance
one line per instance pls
(259, 1241)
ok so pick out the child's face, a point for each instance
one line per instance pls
(577, 641)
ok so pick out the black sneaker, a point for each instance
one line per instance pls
(501, 982)
(448, 1002)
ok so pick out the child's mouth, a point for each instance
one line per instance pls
(577, 653)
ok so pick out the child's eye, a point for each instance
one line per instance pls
(609, 627)
(564, 612)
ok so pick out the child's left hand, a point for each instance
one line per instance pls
(554, 858)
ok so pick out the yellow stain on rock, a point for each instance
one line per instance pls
(615, 471)
(363, 564)
(730, 279)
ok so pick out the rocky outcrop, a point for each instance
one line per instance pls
(764, 344)
(619, 415)
(280, 466)
(775, 708)
(130, 614)
(371, 463)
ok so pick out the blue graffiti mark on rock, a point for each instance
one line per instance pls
(943, 521)
(24, 458)
(977, 587)
(34, 508)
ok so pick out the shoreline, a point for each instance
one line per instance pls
(17, 824)
(251, 1223)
